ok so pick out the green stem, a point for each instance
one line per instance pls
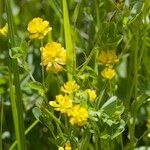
(60, 132)
(53, 5)
(15, 94)
(121, 141)
(43, 76)
(26, 132)
(97, 13)
(85, 141)
(100, 97)
(97, 28)
(144, 134)
(1, 11)
(1, 123)
(134, 112)
(52, 116)
(68, 42)
(87, 61)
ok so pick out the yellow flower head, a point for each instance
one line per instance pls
(53, 57)
(108, 73)
(108, 58)
(38, 28)
(148, 124)
(66, 147)
(62, 103)
(70, 87)
(78, 115)
(92, 94)
(61, 148)
(4, 30)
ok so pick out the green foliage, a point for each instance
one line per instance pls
(118, 117)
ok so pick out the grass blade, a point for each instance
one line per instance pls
(26, 132)
(68, 42)
(14, 84)
(1, 123)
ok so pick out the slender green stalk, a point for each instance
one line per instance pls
(87, 61)
(76, 14)
(15, 94)
(43, 73)
(144, 134)
(97, 13)
(1, 10)
(53, 5)
(52, 116)
(134, 111)
(60, 131)
(121, 141)
(68, 42)
(26, 132)
(57, 121)
(1, 121)
(99, 100)
(14, 110)
(85, 141)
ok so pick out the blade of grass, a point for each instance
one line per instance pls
(85, 140)
(132, 142)
(54, 6)
(26, 132)
(1, 5)
(15, 94)
(14, 111)
(1, 119)
(68, 42)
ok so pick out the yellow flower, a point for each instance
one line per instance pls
(70, 87)
(108, 58)
(108, 73)
(60, 148)
(62, 103)
(78, 115)
(38, 28)
(66, 147)
(92, 94)
(53, 57)
(4, 30)
(148, 124)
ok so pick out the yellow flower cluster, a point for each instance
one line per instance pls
(66, 147)
(92, 94)
(78, 115)
(108, 59)
(38, 28)
(4, 30)
(62, 103)
(148, 124)
(70, 87)
(53, 57)
(53, 54)
(108, 73)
